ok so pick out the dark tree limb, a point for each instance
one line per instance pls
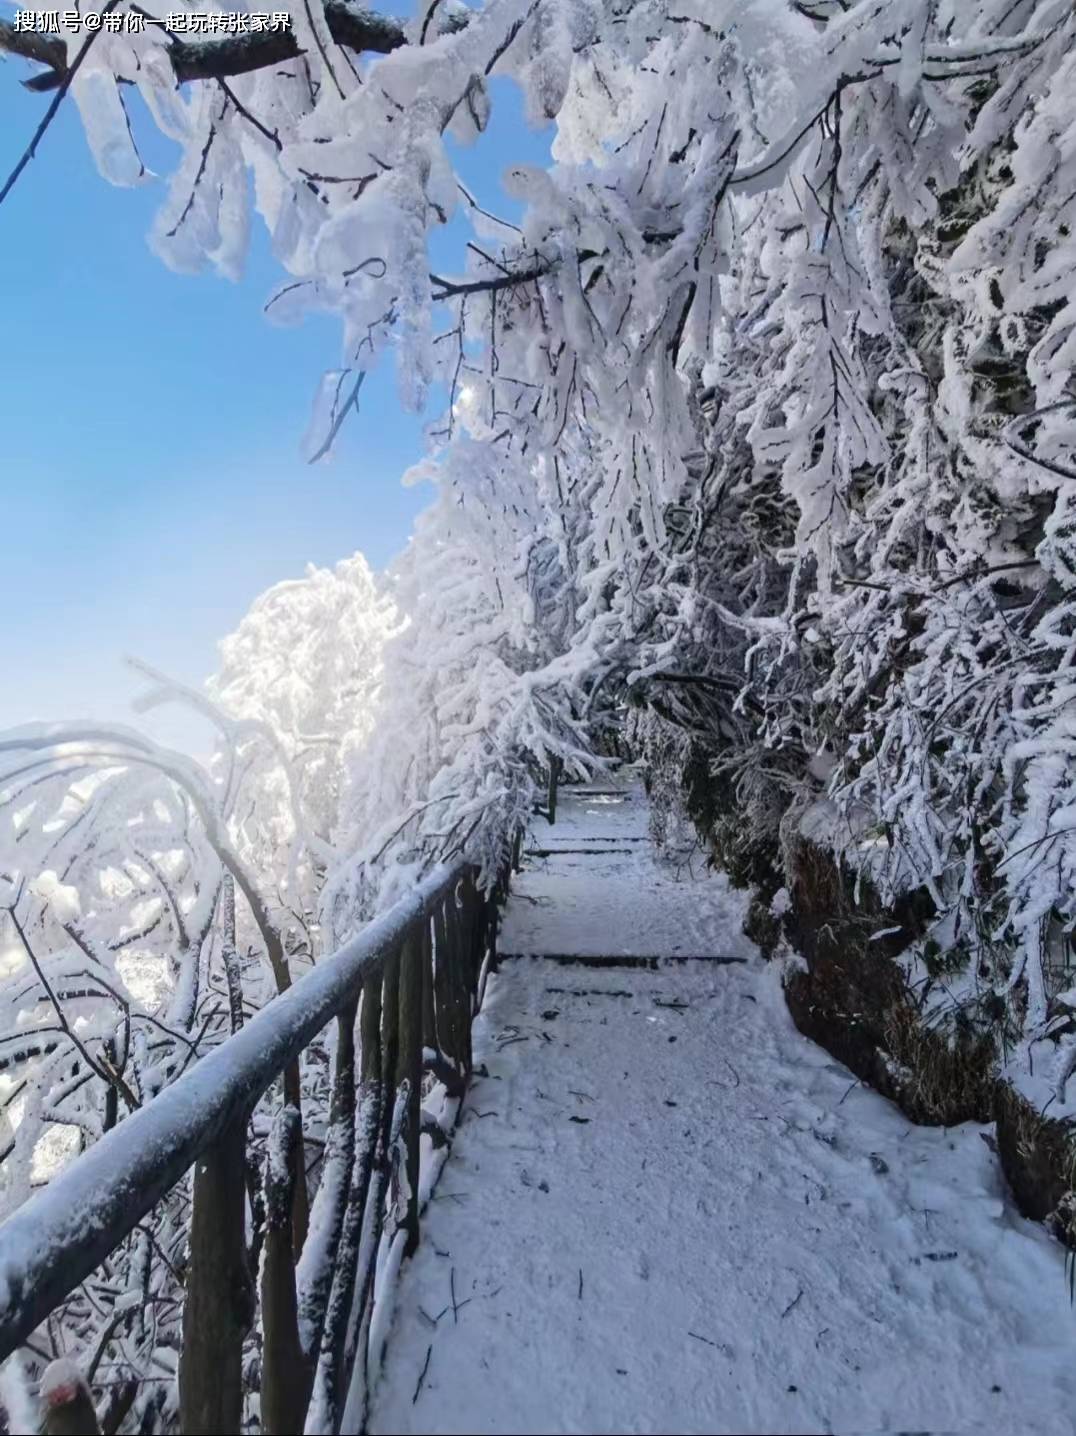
(43, 49)
(221, 57)
(219, 1305)
(63, 84)
(285, 1370)
(451, 289)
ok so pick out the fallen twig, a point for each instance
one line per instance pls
(792, 1304)
(422, 1373)
(706, 1339)
(589, 992)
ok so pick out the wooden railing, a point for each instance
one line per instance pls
(402, 994)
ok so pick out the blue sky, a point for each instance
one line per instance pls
(152, 482)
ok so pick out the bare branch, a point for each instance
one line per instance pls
(129, 747)
(63, 84)
(451, 289)
(103, 1070)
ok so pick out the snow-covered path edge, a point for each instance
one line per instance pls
(666, 1209)
(831, 1269)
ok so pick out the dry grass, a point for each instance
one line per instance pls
(1038, 1155)
(950, 1076)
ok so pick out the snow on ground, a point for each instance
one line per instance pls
(592, 887)
(666, 1210)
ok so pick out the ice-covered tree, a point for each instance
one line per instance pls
(763, 412)
(300, 677)
(113, 854)
(120, 969)
(148, 904)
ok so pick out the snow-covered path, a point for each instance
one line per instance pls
(666, 1210)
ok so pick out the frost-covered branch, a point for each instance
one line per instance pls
(114, 746)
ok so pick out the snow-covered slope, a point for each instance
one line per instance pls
(666, 1210)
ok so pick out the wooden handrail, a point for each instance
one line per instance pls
(60, 1236)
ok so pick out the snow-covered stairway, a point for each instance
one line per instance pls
(666, 1210)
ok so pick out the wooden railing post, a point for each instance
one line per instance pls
(493, 919)
(285, 1384)
(555, 766)
(328, 1274)
(429, 1014)
(371, 1071)
(444, 988)
(461, 986)
(389, 1015)
(300, 1202)
(446, 993)
(474, 922)
(484, 910)
(219, 1304)
(342, 1336)
(390, 1034)
(409, 1075)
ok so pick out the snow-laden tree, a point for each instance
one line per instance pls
(913, 273)
(120, 861)
(300, 678)
(148, 904)
(764, 412)
(762, 419)
(111, 879)
(479, 692)
(118, 973)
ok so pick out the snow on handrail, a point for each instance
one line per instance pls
(61, 1235)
